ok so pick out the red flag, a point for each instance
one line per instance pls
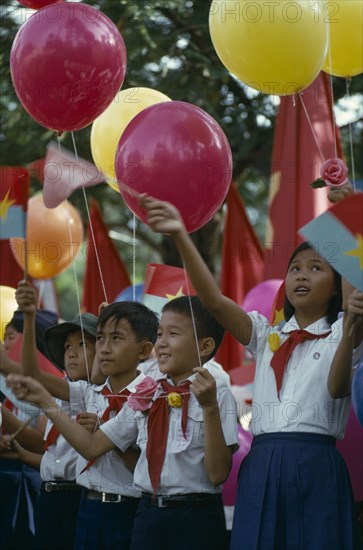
(305, 136)
(163, 283)
(10, 271)
(242, 268)
(14, 192)
(36, 169)
(277, 310)
(114, 274)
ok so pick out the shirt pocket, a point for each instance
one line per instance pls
(141, 428)
(196, 422)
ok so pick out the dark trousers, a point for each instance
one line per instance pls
(187, 527)
(105, 525)
(19, 489)
(55, 519)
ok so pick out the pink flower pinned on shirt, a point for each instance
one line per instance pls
(142, 398)
(333, 173)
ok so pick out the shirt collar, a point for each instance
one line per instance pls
(318, 327)
(171, 383)
(130, 387)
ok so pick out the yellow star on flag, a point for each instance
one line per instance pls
(177, 295)
(5, 205)
(279, 316)
(358, 252)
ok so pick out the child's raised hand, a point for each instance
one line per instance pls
(162, 216)
(26, 297)
(204, 387)
(90, 421)
(354, 310)
(11, 450)
(4, 360)
(337, 194)
(27, 389)
(101, 307)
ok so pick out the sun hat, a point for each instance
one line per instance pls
(55, 337)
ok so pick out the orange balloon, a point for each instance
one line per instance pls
(54, 237)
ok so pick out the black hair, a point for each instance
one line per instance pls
(142, 320)
(206, 325)
(335, 304)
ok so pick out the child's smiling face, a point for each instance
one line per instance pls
(176, 346)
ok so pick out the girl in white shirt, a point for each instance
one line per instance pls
(293, 489)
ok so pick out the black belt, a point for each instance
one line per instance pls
(181, 501)
(109, 497)
(51, 486)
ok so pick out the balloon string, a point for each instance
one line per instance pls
(91, 228)
(332, 112)
(123, 187)
(134, 259)
(75, 278)
(347, 83)
(311, 127)
(332, 93)
(192, 313)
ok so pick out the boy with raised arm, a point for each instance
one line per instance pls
(185, 424)
(126, 332)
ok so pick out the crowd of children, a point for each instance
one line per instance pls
(137, 460)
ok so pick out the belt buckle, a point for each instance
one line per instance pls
(109, 497)
(160, 502)
(48, 486)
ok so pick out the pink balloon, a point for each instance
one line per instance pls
(176, 152)
(261, 297)
(38, 4)
(67, 62)
(229, 489)
(351, 447)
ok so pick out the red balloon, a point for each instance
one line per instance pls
(176, 152)
(67, 62)
(38, 4)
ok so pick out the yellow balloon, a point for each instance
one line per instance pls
(275, 47)
(345, 51)
(110, 125)
(8, 305)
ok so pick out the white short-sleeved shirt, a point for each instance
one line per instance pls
(108, 473)
(183, 470)
(305, 404)
(59, 461)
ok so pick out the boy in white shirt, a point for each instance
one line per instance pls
(185, 425)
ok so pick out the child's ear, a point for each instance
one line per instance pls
(206, 346)
(145, 350)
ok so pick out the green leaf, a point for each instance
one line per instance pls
(318, 183)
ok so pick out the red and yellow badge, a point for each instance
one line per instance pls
(175, 399)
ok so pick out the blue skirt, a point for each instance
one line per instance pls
(294, 493)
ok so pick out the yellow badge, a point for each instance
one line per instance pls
(274, 342)
(175, 400)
